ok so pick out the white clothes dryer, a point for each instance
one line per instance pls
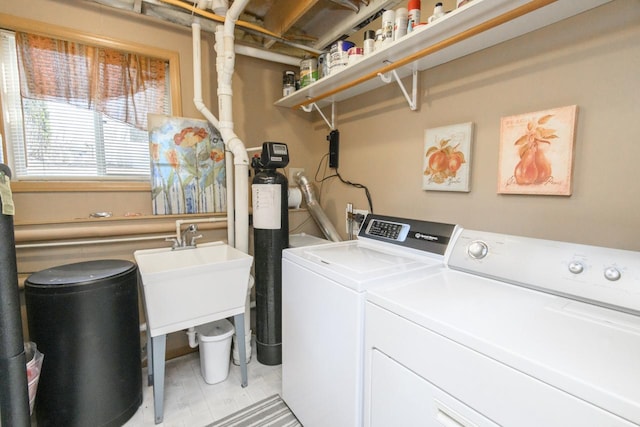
(323, 299)
(517, 332)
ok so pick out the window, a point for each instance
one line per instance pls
(47, 138)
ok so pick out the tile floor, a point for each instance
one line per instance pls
(190, 402)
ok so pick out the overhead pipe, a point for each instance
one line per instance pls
(267, 55)
(245, 26)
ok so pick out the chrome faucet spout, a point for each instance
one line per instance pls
(191, 229)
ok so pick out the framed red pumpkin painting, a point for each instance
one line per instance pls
(447, 158)
(536, 152)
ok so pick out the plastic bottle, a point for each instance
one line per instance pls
(388, 21)
(400, 27)
(308, 71)
(437, 12)
(355, 54)
(413, 17)
(369, 42)
(378, 43)
(288, 83)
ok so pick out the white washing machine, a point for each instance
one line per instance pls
(517, 332)
(323, 299)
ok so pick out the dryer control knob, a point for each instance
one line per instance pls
(477, 249)
(576, 267)
(612, 274)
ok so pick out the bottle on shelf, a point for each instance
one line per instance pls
(378, 43)
(388, 21)
(400, 27)
(413, 16)
(438, 12)
(369, 42)
(288, 83)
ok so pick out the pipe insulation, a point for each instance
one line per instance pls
(14, 396)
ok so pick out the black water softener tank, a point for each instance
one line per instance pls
(270, 237)
(84, 319)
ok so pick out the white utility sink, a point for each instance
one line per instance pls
(192, 286)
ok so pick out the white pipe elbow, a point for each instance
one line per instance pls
(193, 340)
(236, 146)
(200, 106)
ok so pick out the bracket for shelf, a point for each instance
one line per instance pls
(309, 108)
(414, 91)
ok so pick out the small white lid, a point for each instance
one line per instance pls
(215, 331)
(402, 12)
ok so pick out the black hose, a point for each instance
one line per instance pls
(14, 395)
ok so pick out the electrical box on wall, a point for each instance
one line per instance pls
(334, 145)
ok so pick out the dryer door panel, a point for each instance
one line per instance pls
(497, 391)
(401, 398)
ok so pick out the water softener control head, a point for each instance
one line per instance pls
(274, 155)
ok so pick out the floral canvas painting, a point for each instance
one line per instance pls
(536, 152)
(447, 158)
(187, 166)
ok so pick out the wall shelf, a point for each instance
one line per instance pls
(477, 25)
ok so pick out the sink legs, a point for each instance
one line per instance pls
(149, 361)
(242, 350)
(156, 347)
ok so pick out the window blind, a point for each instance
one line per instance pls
(50, 139)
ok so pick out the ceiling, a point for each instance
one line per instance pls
(296, 28)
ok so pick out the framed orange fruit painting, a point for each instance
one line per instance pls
(447, 158)
(536, 152)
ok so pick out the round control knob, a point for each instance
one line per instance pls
(477, 249)
(576, 267)
(612, 274)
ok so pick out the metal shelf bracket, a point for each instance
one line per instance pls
(411, 100)
(309, 108)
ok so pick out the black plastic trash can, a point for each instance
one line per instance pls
(84, 318)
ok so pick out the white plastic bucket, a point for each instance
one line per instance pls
(214, 340)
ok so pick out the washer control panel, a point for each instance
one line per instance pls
(387, 229)
(605, 276)
(424, 236)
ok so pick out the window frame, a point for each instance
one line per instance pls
(14, 23)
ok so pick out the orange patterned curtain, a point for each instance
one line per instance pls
(121, 85)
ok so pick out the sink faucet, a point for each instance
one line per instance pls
(181, 243)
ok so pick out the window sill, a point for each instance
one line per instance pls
(79, 186)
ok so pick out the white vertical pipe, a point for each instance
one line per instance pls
(197, 100)
(238, 212)
(235, 145)
(197, 75)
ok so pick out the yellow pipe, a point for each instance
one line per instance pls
(241, 24)
(193, 9)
